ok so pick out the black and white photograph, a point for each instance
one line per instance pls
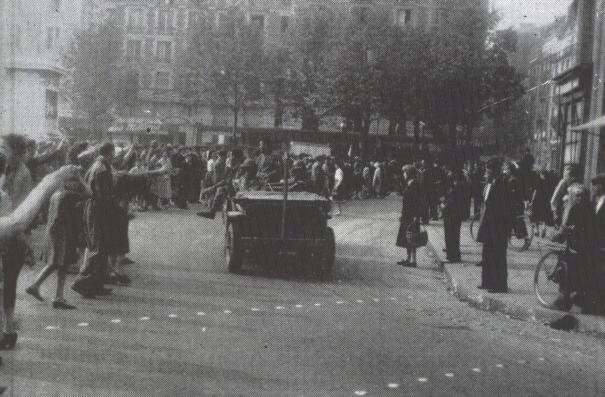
(306, 198)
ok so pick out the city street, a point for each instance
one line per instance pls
(186, 327)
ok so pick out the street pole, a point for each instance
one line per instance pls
(285, 190)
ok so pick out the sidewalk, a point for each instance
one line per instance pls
(520, 303)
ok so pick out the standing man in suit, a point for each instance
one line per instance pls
(494, 229)
(453, 215)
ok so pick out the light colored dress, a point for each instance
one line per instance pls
(163, 188)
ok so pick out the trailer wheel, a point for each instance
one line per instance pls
(233, 248)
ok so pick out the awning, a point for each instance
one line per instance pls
(596, 123)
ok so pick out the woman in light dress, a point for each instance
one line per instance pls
(162, 184)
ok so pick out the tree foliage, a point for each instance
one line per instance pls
(101, 84)
(225, 66)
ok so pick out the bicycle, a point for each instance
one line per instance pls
(518, 244)
(551, 271)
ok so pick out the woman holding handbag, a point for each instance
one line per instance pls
(410, 237)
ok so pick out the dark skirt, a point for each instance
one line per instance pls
(406, 225)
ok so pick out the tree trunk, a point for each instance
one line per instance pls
(278, 116)
(235, 121)
(417, 132)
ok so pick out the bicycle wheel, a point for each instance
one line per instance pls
(550, 269)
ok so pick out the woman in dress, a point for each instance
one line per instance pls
(163, 182)
(411, 211)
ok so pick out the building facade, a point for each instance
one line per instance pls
(34, 38)
(156, 34)
(560, 84)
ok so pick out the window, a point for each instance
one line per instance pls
(50, 38)
(162, 80)
(258, 21)
(180, 20)
(361, 14)
(164, 51)
(52, 100)
(194, 19)
(16, 37)
(285, 24)
(165, 21)
(136, 19)
(133, 50)
(404, 17)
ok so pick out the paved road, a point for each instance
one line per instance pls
(186, 327)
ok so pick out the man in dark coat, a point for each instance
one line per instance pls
(453, 214)
(100, 225)
(494, 229)
(180, 181)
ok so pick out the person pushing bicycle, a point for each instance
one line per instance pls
(579, 226)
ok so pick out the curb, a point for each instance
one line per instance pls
(590, 325)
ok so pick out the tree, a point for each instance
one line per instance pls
(354, 76)
(101, 82)
(226, 65)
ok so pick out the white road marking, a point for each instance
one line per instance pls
(339, 302)
(423, 380)
(541, 359)
(376, 300)
(52, 327)
(82, 324)
(477, 370)
(499, 366)
(359, 301)
(360, 392)
(298, 306)
(227, 311)
(521, 362)
(255, 309)
(317, 304)
(203, 329)
(449, 375)
(201, 313)
(116, 321)
(172, 316)
(392, 299)
(393, 385)
(279, 308)
(144, 318)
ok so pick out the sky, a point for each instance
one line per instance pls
(539, 12)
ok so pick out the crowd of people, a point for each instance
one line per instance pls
(81, 195)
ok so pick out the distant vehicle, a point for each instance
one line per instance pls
(269, 225)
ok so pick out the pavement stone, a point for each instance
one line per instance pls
(520, 303)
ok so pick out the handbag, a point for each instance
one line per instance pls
(416, 239)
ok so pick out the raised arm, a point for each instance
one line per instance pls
(26, 212)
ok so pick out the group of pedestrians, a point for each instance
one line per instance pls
(501, 195)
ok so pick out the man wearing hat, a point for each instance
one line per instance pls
(494, 229)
